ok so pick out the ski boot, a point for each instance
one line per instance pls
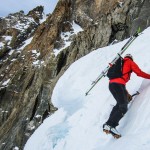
(110, 130)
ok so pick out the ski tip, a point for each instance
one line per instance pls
(137, 33)
(87, 93)
(139, 30)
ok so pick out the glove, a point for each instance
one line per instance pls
(129, 97)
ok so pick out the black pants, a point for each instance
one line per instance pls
(120, 94)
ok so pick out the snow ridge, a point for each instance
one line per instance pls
(77, 125)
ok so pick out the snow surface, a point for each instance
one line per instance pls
(6, 82)
(43, 19)
(77, 125)
(28, 41)
(6, 39)
(1, 44)
(22, 26)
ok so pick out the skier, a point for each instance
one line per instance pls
(121, 95)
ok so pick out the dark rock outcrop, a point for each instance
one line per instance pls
(36, 13)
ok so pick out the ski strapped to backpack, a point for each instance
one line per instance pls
(124, 48)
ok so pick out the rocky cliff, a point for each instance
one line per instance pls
(35, 54)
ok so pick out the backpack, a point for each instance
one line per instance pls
(115, 71)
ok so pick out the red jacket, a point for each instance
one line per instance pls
(128, 67)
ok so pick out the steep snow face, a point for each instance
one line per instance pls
(77, 125)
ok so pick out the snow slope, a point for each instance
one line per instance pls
(77, 125)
